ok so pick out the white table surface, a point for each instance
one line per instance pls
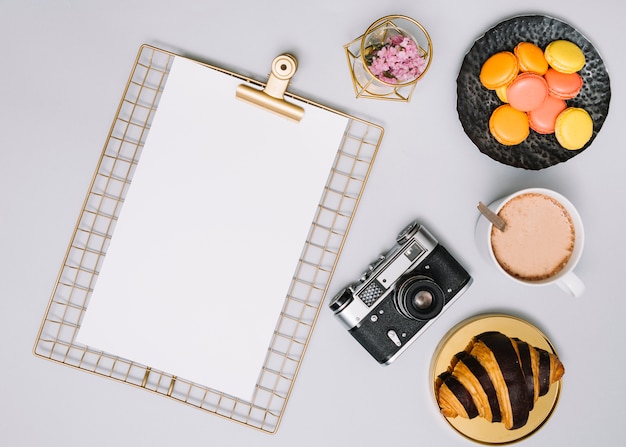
(63, 69)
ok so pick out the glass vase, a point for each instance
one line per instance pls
(391, 56)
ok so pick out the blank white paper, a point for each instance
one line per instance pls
(210, 233)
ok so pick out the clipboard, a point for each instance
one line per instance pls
(58, 337)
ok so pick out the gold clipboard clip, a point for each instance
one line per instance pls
(272, 97)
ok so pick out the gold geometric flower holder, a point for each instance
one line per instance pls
(366, 83)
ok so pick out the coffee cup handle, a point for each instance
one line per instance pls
(571, 284)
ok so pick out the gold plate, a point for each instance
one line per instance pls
(479, 429)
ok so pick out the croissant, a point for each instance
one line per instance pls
(497, 378)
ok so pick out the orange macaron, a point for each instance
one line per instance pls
(543, 119)
(563, 85)
(508, 125)
(527, 91)
(530, 58)
(499, 70)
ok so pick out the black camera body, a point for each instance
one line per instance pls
(400, 294)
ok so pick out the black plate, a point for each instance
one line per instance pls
(475, 103)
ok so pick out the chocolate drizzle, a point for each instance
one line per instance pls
(508, 361)
(544, 371)
(485, 382)
(527, 368)
(463, 396)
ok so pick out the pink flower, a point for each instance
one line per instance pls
(379, 66)
(396, 40)
(398, 59)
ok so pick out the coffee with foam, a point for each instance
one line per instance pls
(538, 240)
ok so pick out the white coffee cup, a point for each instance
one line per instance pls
(564, 278)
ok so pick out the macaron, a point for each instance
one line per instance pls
(530, 58)
(501, 93)
(573, 128)
(543, 119)
(563, 85)
(564, 56)
(508, 125)
(498, 70)
(527, 91)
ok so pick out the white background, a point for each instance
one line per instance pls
(63, 69)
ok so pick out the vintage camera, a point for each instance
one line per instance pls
(400, 294)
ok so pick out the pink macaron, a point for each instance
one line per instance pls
(543, 119)
(527, 91)
(563, 85)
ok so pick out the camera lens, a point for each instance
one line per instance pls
(419, 298)
(422, 299)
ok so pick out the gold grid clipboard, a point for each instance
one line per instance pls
(56, 340)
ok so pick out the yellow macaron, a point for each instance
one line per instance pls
(573, 128)
(498, 70)
(564, 56)
(531, 58)
(501, 92)
(508, 125)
